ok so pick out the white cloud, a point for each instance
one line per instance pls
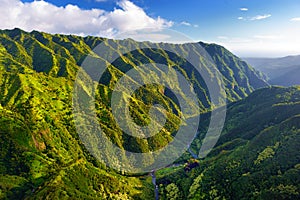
(260, 17)
(257, 17)
(185, 23)
(43, 16)
(295, 19)
(244, 9)
(268, 37)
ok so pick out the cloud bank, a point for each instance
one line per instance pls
(295, 19)
(185, 23)
(44, 16)
(257, 17)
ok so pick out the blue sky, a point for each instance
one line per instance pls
(247, 27)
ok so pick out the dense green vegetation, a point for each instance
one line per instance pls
(42, 156)
(257, 156)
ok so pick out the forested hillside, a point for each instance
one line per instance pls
(257, 156)
(42, 156)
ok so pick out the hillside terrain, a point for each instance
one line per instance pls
(42, 156)
(257, 156)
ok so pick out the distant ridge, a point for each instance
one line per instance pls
(283, 71)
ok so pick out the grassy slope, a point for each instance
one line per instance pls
(41, 154)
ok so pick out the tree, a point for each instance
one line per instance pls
(173, 192)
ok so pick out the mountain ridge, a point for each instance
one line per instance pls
(41, 149)
(282, 71)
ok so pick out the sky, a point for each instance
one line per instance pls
(248, 28)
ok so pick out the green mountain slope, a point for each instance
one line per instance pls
(42, 156)
(257, 156)
(60, 55)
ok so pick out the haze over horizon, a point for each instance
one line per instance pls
(247, 28)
